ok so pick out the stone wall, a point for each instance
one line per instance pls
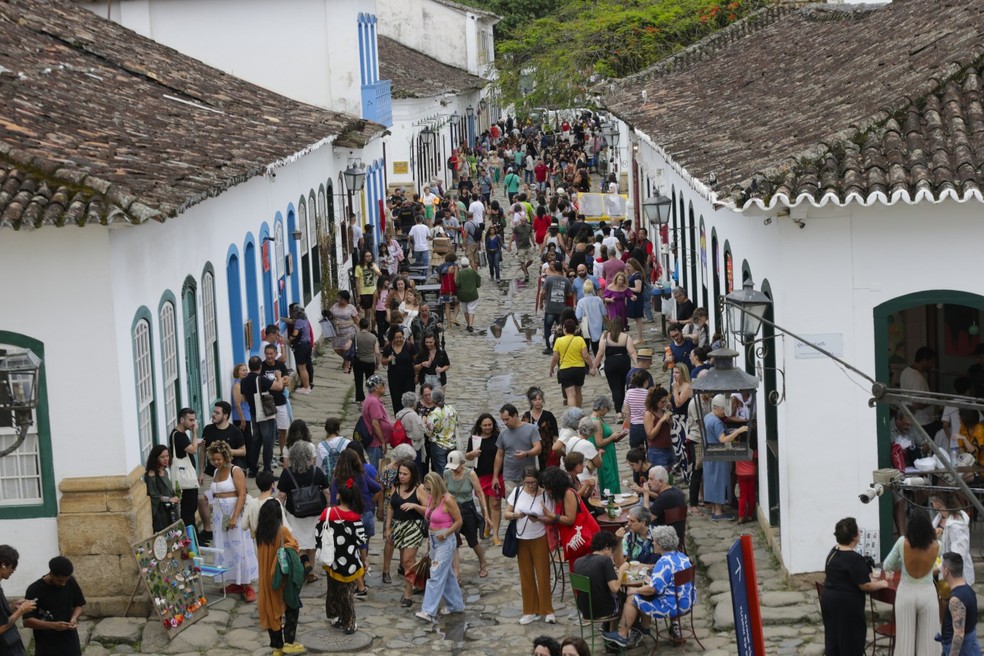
(99, 518)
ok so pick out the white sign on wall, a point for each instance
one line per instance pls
(831, 342)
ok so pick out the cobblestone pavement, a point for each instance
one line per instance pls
(486, 372)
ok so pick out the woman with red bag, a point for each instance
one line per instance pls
(575, 525)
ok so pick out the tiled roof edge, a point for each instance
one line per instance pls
(833, 199)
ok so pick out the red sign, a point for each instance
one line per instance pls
(265, 255)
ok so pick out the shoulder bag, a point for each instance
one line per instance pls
(182, 471)
(308, 501)
(326, 551)
(510, 542)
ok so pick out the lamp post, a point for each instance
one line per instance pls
(20, 374)
(725, 379)
(353, 180)
(470, 114)
(657, 211)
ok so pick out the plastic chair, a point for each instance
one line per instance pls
(582, 584)
(679, 580)
(207, 559)
(672, 516)
(879, 629)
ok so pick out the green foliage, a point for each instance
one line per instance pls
(555, 57)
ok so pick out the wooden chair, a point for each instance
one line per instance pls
(582, 584)
(882, 631)
(674, 515)
(680, 579)
(819, 586)
(206, 559)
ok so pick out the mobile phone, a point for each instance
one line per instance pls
(533, 514)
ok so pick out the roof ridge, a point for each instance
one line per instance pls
(877, 124)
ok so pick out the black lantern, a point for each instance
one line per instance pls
(721, 382)
(355, 178)
(20, 375)
(470, 111)
(658, 209)
(746, 309)
(612, 135)
(483, 104)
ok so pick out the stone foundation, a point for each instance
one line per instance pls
(99, 518)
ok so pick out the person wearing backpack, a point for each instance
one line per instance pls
(330, 447)
(298, 484)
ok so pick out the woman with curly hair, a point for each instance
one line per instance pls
(229, 494)
(564, 508)
(481, 452)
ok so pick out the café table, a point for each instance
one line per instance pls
(621, 500)
(612, 525)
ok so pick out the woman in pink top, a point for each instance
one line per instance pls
(634, 409)
(441, 511)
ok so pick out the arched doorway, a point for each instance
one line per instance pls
(252, 297)
(235, 305)
(692, 254)
(945, 320)
(267, 261)
(703, 264)
(716, 277)
(295, 263)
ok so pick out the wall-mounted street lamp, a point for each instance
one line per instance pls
(20, 375)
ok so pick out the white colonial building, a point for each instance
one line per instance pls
(155, 214)
(832, 155)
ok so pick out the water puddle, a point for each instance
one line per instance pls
(511, 333)
(461, 629)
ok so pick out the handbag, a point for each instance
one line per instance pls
(419, 572)
(327, 328)
(325, 556)
(266, 407)
(182, 472)
(585, 327)
(576, 539)
(308, 501)
(510, 542)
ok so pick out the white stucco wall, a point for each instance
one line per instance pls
(410, 116)
(827, 278)
(304, 49)
(447, 34)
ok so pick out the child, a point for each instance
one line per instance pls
(746, 471)
(348, 534)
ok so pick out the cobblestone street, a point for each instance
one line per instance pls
(486, 372)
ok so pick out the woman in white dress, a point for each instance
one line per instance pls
(228, 501)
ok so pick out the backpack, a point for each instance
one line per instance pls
(361, 432)
(399, 434)
(331, 459)
(308, 501)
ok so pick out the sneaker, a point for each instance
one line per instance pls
(362, 594)
(249, 595)
(294, 648)
(302, 390)
(528, 619)
(205, 538)
(548, 351)
(615, 638)
(550, 618)
(427, 617)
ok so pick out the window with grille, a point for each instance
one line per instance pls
(169, 362)
(211, 338)
(144, 369)
(20, 472)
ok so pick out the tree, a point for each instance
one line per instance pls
(553, 61)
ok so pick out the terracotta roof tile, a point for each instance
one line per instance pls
(416, 75)
(99, 124)
(824, 103)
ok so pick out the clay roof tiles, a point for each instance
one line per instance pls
(824, 103)
(101, 125)
(415, 75)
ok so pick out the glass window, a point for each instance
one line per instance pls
(144, 369)
(169, 357)
(211, 339)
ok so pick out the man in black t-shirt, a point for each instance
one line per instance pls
(661, 496)
(266, 430)
(55, 620)
(276, 371)
(684, 306)
(222, 429)
(600, 570)
(183, 442)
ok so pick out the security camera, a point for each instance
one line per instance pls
(870, 494)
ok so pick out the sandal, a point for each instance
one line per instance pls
(387, 578)
(483, 572)
(694, 510)
(406, 602)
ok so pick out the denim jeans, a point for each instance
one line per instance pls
(442, 583)
(439, 458)
(637, 435)
(494, 257)
(660, 457)
(422, 258)
(267, 435)
(970, 645)
(548, 323)
(373, 454)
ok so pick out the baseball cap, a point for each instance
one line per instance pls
(455, 460)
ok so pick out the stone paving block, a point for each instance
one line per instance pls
(118, 629)
(776, 598)
(96, 649)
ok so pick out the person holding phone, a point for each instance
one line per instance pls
(59, 604)
(525, 505)
(9, 616)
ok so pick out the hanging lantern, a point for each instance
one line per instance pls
(724, 380)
